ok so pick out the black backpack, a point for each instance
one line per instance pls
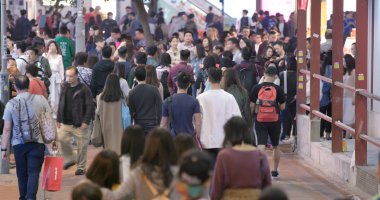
(246, 78)
(244, 22)
(164, 82)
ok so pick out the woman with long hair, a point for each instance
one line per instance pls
(90, 44)
(153, 177)
(268, 56)
(151, 79)
(241, 170)
(231, 84)
(104, 170)
(54, 55)
(348, 96)
(163, 72)
(206, 42)
(132, 147)
(119, 70)
(109, 111)
(197, 63)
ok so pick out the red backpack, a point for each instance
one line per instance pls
(267, 111)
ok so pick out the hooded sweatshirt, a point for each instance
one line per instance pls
(99, 75)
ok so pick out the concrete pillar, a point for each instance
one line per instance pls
(4, 82)
(80, 29)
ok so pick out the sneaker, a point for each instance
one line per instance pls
(80, 172)
(68, 165)
(275, 174)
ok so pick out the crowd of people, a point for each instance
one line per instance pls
(188, 117)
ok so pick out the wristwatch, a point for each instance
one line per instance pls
(3, 149)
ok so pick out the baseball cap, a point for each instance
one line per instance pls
(271, 70)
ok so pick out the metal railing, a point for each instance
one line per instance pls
(364, 93)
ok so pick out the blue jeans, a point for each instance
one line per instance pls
(29, 159)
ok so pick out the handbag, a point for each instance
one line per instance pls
(48, 126)
(125, 114)
(52, 174)
(97, 136)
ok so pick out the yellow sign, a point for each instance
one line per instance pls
(300, 78)
(336, 65)
(361, 77)
(300, 53)
(300, 86)
(300, 60)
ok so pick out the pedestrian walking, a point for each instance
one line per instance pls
(269, 99)
(75, 111)
(181, 110)
(217, 107)
(21, 118)
(109, 110)
(145, 102)
(241, 170)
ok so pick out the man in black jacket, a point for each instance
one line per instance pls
(101, 71)
(75, 111)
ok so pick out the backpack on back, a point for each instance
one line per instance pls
(246, 78)
(164, 82)
(28, 124)
(267, 111)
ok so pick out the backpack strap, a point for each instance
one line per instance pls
(170, 104)
(150, 186)
(84, 81)
(23, 60)
(286, 82)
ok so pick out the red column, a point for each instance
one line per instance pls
(337, 74)
(361, 80)
(301, 52)
(315, 54)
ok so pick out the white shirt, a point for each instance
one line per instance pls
(21, 63)
(217, 107)
(257, 47)
(281, 28)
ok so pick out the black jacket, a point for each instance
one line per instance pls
(83, 106)
(99, 75)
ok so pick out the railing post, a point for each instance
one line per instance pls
(337, 75)
(301, 53)
(315, 68)
(361, 80)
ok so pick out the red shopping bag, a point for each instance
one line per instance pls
(52, 175)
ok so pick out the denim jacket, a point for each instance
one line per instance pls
(326, 87)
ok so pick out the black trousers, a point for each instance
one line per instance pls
(325, 125)
(288, 116)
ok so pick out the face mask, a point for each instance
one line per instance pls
(189, 191)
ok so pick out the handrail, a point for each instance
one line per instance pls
(345, 127)
(304, 71)
(305, 107)
(345, 86)
(322, 78)
(322, 116)
(368, 94)
(369, 139)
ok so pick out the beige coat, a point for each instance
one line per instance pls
(111, 123)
